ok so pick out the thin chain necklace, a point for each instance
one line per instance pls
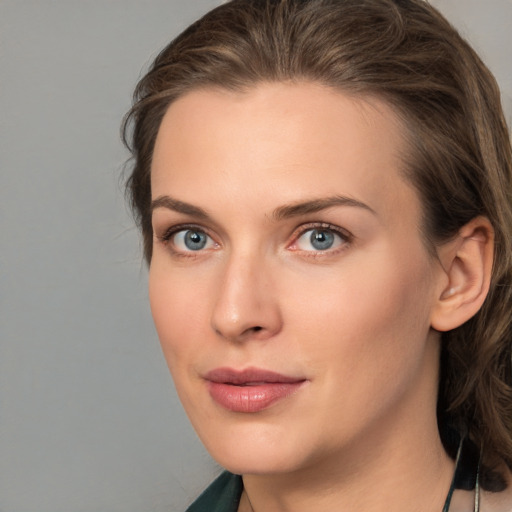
(476, 507)
(446, 507)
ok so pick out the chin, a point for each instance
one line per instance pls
(257, 463)
(255, 449)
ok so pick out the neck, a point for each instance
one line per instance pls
(412, 480)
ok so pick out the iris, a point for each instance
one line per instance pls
(321, 239)
(195, 240)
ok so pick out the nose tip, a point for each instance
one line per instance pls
(246, 308)
(237, 333)
(249, 323)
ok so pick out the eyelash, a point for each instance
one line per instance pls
(174, 230)
(346, 238)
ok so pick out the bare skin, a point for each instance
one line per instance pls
(353, 314)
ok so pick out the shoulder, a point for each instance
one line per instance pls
(222, 495)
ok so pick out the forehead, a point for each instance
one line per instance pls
(295, 138)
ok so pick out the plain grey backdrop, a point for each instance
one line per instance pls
(89, 421)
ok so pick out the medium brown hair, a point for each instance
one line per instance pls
(459, 158)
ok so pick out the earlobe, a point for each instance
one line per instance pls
(465, 275)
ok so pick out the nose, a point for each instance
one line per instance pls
(247, 305)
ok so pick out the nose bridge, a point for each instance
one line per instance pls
(246, 305)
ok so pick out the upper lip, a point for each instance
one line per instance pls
(249, 376)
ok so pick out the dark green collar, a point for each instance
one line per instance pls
(223, 495)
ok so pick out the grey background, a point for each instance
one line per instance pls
(89, 421)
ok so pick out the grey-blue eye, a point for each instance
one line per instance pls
(191, 240)
(319, 239)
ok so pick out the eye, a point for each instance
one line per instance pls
(319, 239)
(191, 240)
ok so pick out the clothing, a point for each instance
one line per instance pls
(223, 495)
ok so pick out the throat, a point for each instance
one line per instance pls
(407, 490)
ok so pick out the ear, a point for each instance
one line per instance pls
(465, 275)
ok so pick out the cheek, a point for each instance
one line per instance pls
(369, 313)
(176, 305)
(364, 338)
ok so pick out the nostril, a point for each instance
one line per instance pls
(257, 328)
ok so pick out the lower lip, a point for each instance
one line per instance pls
(251, 398)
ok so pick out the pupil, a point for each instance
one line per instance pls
(322, 240)
(195, 240)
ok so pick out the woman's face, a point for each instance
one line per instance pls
(289, 284)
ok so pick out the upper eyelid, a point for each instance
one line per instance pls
(304, 228)
(172, 230)
(163, 226)
(301, 228)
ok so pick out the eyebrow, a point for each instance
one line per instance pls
(280, 213)
(317, 205)
(178, 206)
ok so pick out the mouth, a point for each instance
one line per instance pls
(250, 390)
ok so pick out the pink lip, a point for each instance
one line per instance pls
(250, 390)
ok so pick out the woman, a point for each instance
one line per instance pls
(323, 188)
